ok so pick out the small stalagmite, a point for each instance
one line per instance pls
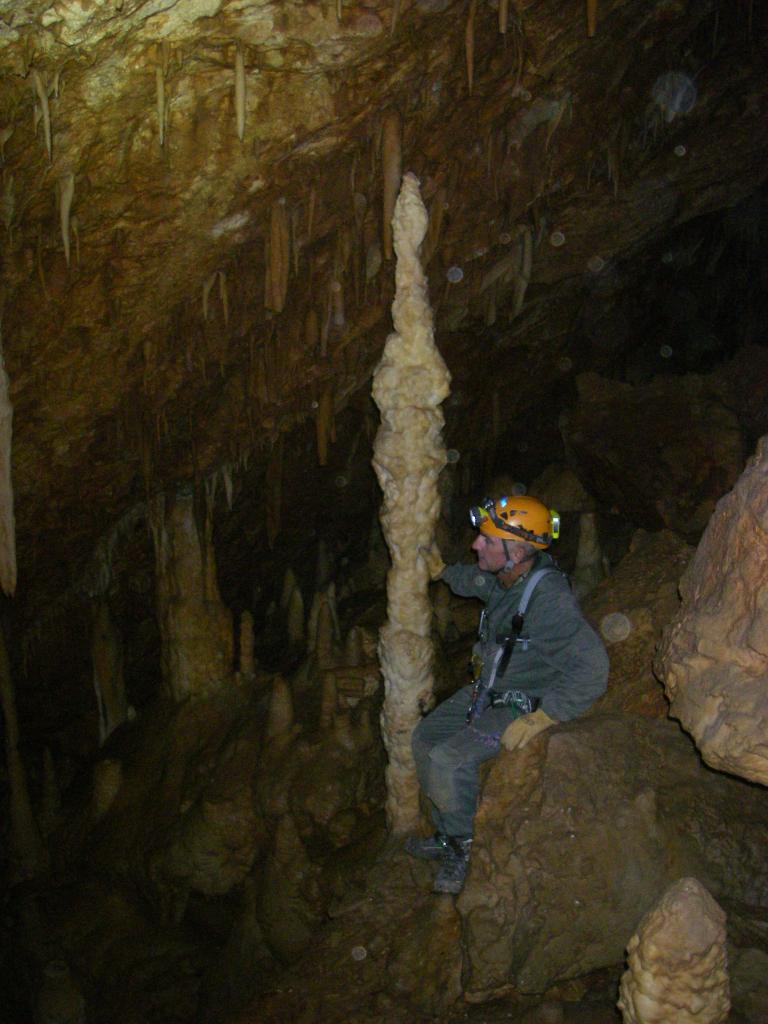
(677, 961)
(324, 636)
(590, 563)
(391, 162)
(409, 385)
(279, 725)
(289, 585)
(353, 648)
(296, 618)
(195, 627)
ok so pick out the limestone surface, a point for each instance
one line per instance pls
(677, 961)
(714, 657)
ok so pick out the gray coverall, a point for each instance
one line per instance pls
(558, 659)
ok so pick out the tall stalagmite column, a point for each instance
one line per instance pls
(409, 384)
(195, 626)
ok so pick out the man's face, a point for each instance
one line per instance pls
(490, 552)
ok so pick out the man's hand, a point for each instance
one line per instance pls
(433, 561)
(522, 730)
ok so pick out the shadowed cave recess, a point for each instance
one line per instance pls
(201, 793)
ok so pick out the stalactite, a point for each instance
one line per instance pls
(503, 15)
(279, 256)
(295, 242)
(247, 659)
(226, 476)
(260, 370)
(223, 296)
(391, 159)
(7, 516)
(311, 331)
(26, 854)
(74, 225)
(240, 92)
(409, 384)
(274, 489)
(108, 677)
(45, 112)
(395, 16)
(66, 194)
(337, 304)
(49, 815)
(324, 424)
(523, 275)
(311, 206)
(160, 103)
(591, 17)
(207, 286)
(469, 45)
(437, 210)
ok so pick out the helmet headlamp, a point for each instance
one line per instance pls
(518, 517)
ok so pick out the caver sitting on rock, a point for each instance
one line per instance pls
(536, 662)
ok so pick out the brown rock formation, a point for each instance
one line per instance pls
(714, 657)
(545, 902)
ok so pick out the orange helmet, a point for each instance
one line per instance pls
(517, 518)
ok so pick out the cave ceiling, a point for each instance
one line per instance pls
(196, 275)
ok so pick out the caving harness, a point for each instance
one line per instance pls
(483, 694)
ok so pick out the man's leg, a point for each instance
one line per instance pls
(455, 765)
(440, 725)
(451, 773)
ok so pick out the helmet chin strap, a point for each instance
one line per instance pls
(510, 563)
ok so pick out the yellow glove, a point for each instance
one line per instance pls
(433, 561)
(523, 729)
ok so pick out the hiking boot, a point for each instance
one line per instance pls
(432, 848)
(453, 867)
